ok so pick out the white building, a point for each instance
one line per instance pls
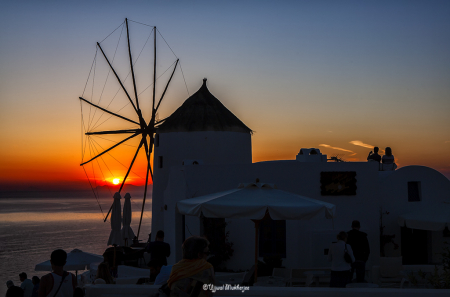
(203, 148)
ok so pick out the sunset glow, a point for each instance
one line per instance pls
(336, 76)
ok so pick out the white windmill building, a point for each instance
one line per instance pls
(202, 131)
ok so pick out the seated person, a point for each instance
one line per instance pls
(374, 156)
(388, 158)
(189, 275)
(103, 274)
(14, 291)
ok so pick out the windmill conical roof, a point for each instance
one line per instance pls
(202, 112)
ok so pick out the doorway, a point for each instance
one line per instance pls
(416, 246)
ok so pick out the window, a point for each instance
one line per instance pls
(157, 140)
(414, 191)
(337, 183)
(160, 161)
(272, 238)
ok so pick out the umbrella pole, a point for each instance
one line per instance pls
(256, 250)
(114, 260)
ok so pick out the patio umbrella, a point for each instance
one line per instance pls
(115, 238)
(127, 232)
(433, 217)
(255, 201)
(76, 260)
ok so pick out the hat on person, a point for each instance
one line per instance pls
(9, 283)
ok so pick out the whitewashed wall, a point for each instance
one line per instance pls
(394, 198)
(306, 240)
(208, 147)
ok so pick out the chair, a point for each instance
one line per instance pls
(248, 276)
(285, 273)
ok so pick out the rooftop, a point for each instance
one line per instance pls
(203, 112)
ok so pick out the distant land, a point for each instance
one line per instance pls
(103, 192)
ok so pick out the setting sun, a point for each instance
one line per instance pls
(116, 181)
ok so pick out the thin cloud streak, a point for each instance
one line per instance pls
(360, 143)
(338, 148)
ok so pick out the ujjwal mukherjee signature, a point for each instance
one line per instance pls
(225, 287)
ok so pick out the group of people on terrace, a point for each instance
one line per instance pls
(386, 162)
(388, 157)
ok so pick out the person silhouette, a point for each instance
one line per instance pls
(374, 156)
(388, 157)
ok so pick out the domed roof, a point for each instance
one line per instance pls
(202, 112)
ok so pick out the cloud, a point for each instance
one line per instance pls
(360, 143)
(338, 148)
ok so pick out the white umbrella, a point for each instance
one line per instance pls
(255, 201)
(76, 260)
(116, 221)
(127, 232)
(433, 218)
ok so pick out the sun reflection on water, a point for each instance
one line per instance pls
(57, 216)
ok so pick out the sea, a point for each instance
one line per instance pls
(32, 227)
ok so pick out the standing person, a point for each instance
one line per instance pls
(388, 157)
(340, 268)
(361, 250)
(159, 250)
(374, 156)
(26, 285)
(36, 282)
(59, 283)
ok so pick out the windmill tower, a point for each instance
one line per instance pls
(201, 131)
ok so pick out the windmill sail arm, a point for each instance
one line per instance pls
(107, 150)
(117, 76)
(131, 65)
(107, 111)
(114, 132)
(164, 93)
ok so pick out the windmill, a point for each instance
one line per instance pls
(143, 129)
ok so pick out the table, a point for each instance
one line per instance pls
(312, 275)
